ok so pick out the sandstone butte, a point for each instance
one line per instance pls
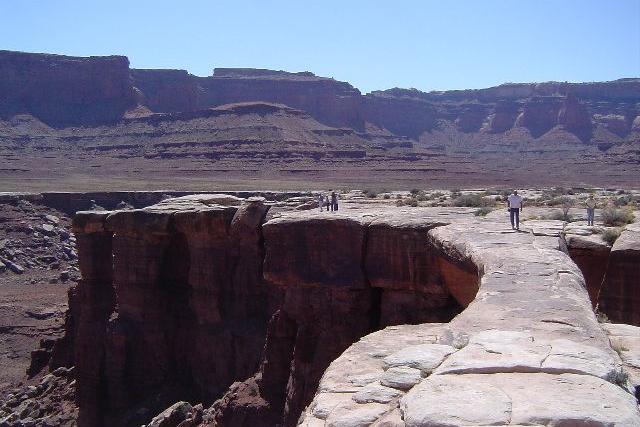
(385, 317)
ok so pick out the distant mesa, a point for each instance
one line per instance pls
(67, 91)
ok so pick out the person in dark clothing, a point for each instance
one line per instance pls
(334, 201)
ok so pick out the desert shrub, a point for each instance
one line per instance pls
(370, 194)
(483, 211)
(473, 200)
(455, 193)
(618, 377)
(558, 215)
(610, 235)
(616, 217)
(602, 318)
(415, 191)
(554, 193)
(625, 200)
(422, 197)
(386, 196)
(407, 202)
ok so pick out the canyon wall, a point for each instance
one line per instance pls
(63, 90)
(244, 307)
(202, 294)
(619, 296)
(69, 91)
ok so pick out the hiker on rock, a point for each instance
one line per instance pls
(591, 209)
(334, 201)
(514, 204)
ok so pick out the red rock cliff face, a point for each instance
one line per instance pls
(181, 299)
(619, 296)
(329, 101)
(63, 90)
(190, 307)
(342, 278)
(165, 91)
(70, 91)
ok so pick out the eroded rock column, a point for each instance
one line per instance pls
(91, 304)
(619, 297)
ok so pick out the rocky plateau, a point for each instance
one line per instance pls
(219, 310)
(95, 124)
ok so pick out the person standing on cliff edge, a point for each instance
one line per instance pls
(591, 209)
(514, 205)
(334, 201)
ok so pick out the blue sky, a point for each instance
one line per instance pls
(429, 45)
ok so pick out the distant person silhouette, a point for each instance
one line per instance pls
(514, 204)
(320, 201)
(334, 201)
(591, 209)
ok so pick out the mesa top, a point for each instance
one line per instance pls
(515, 201)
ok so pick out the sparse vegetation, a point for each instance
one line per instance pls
(567, 203)
(619, 348)
(618, 377)
(610, 235)
(617, 217)
(370, 194)
(407, 202)
(625, 200)
(602, 318)
(473, 200)
(483, 211)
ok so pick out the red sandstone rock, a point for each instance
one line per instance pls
(63, 90)
(620, 294)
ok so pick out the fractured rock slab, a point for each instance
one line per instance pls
(527, 350)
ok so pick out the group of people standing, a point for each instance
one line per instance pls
(515, 203)
(330, 201)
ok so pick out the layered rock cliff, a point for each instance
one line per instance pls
(64, 90)
(211, 285)
(211, 297)
(73, 120)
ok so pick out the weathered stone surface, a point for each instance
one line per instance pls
(454, 400)
(425, 357)
(375, 392)
(625, 340)
(401, 377)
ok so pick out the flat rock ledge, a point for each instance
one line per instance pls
(527, 350)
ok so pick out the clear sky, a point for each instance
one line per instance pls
(429, 45)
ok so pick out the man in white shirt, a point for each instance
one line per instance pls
(514, 203)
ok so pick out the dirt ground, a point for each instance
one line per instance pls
(37, 268)
(28, 313)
